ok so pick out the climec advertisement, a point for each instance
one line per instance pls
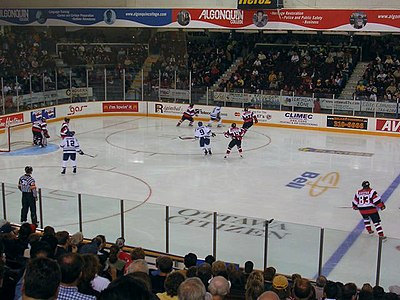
(208, 18)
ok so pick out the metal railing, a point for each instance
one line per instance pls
(101, 84)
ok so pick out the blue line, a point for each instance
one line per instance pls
(332, 262)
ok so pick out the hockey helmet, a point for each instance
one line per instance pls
(365, 184)
(191, 105)
(200, 123)
(71, 133)
(28, 170)
(43, 119)
(246, 108)
(233, 125)
(66, 119)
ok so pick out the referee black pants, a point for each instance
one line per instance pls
(28, 203)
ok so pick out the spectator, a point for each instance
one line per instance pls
(71, 265)
(92, 247)
(171, 285)
(164, 265)
(62, 243)
(219, 287)
(192, 289)
(303, 290)
(50, 238)
(126, 288)
(90, 283)
(204, 272)
(331, 290)
(209, 259)
(115, 265)
(254, 285)
(218, 268)
(42, 279)
(268, 295)
(319, 286)
(76, 242)
(280, 286)
(248, 268)
(138, 265)
(269, 274)
(190, 260)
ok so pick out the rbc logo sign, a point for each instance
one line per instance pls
(318, 183)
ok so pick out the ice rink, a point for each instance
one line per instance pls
(292, 176)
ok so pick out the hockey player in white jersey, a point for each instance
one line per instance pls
(215, 116)
(204, 133)
(70, 146)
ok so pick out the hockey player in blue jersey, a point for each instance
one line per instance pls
(215, 116)
(204, 133)
(70, 146)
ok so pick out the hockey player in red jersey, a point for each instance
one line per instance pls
(367, 201)
(249, 118)
(237, 135)
(37, 132)
(64, 128)
(45, 132)
(188, 115)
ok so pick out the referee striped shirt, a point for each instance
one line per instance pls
(26, 184)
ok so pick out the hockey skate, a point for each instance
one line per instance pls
(63, 171)
(74, 170)
(209, 152)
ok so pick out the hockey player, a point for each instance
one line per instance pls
(44, 132)
(204, 133)
(215, 115)
(37, 132)
(237, 135)
(249, 118)
(65, 128)
(70, 146)
(366, 201)
(188, 115)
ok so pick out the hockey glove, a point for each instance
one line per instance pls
(81, 152)
(213, 134)
(383, 207)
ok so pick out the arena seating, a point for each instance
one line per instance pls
(18, 244)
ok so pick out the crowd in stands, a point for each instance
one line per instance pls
(302, 70)
(381, 80)
(55, 265)
(207, 59)
(299, 64)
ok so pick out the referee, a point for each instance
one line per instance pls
(26, 185)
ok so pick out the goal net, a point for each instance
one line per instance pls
(15, 137)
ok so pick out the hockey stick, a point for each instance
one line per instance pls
(92, 156)
(187, 137)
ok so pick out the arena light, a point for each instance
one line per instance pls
(305, 32)
(335, 33)
(247, 31)
(367, 33)
(275, 31)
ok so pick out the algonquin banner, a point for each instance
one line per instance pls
(272, 19)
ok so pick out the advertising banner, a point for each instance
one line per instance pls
(208, 18)
(388, 125)
(294, 118)
(347, 122)
(384, 107)
(259, 4)
(10, 120)
(174, 94)
(47, 113)
(120, 106)
(231, 97)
